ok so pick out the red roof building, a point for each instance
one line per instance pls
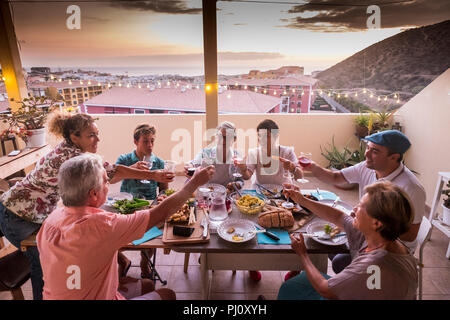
(177, 100)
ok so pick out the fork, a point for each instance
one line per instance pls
(318, 194)
(335, 202)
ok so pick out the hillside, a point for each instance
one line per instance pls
(406, 62)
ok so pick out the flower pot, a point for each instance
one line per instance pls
(37, 138)
(446, 215)
(361, 131)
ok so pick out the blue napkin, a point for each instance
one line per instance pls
(150, 234)
(280, 233)
(326, 195)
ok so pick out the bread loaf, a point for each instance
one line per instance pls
(276, 219)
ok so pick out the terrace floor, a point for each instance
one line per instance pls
(228, 286)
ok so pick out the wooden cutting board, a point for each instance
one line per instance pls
(195, 237)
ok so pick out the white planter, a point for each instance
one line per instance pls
(446, 215)
(37, 139)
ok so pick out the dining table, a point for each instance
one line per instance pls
(219, 254)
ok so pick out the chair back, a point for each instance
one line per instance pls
(423, 236)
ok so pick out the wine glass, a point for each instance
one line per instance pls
(287, 174)
(235, 170)
(149, 165)
(304, 160)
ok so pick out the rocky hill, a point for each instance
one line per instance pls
(406, 62)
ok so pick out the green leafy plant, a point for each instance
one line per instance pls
(446, 192)
(31, 114)
(362, 122)
(340, 159)
(381, 121)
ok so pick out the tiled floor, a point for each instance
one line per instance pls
(238, 286)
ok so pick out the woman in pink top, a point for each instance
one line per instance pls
(79, 243)
(29, 202)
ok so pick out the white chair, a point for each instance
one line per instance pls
(423, 236)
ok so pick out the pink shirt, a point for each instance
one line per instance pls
(78, 251)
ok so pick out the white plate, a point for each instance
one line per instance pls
(272, 187)
(241, 227)
(113, 197)
(317, 228)
(340, 205)
(215, 186)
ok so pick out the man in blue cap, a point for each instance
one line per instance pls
(384, 155)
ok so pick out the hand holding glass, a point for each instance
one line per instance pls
(149, 165)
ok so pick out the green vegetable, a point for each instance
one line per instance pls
(168, 192)
(129, 206)
(327, 228)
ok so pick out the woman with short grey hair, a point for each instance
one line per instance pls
(221, 156)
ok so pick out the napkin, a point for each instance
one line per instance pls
(280, 233)
(150, 234)
(326, 195)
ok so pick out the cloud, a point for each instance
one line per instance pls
(351, 15)
(158, 6)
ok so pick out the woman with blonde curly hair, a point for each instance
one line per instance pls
(25, 206)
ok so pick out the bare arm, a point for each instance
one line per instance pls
(326, 175)
(317, 280)
(124, 172)
(173, 203)
(323, 211)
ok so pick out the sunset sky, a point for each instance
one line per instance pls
(167, 35)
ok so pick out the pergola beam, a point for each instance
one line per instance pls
(10, 58)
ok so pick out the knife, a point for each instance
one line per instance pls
(204, 224)
(267, 233)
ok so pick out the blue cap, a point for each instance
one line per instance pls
(396, 141)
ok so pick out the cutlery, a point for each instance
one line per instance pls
(266, 189)
(257, 231)
(237, 190)
(335, 202)
(204, 224)
(267, 233)
(324, 236)
(319, 195)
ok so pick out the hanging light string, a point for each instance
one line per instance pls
(264, 89)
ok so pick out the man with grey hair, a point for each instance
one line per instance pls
(78, 242)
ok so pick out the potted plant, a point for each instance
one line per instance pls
(362, 125)
(28, 121)
(381, 121)
(446, 205)
(340, 159)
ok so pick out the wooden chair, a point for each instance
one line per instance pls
(14, 272)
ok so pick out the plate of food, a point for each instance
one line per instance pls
(113, 197)
(326, 233)
(186, 214)
(236, 230)
(340, 205)
(270, 191)
(126, 206)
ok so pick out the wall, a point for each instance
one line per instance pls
(426, 122)
(304, 132)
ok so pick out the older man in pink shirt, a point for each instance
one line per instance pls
(78, 243)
